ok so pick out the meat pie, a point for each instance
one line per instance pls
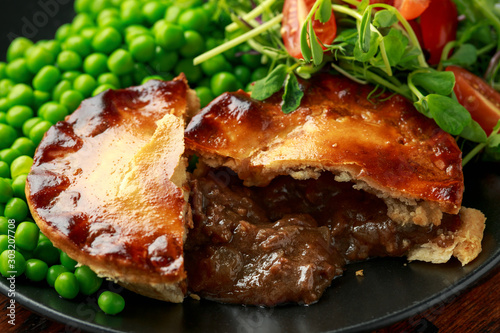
(282, 201)
(108, 186)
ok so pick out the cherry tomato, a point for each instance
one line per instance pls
(409, 9)
(294, 15)
(439, 26)
(481, 100)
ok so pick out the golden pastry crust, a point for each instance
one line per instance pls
(386, 147)
(108, 186)
(465, 245)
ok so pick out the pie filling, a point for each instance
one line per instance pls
(287, 241)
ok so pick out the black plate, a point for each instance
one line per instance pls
(391, 289)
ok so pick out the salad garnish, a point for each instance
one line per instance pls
(386, 43)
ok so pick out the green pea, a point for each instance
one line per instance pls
(67, 262)
(8, 155)
(110, 79)
(21, 94)
(38, 131)
(205, 95)
(85, 83)
(153, 11)
(172, 14)
(3, 115)
(60, 88)
(71, 99)
(77, 44)
(134, 31)
(40, 97)
(102, 88)
(222, 82)
(53, 112)
(69, 60)
(111, 303)
(5, 87)
(82, 21)
(142, 48)
(7, 136)
(53, 46)
(243, 74)
(46, 78)
(19, 185)
(26, 236)
(24, 145)
(164, 61)
(66, 285)
(151, 77)
(64, 31)
(54, 272)
(36, 270)
(88, 281)
(4, 173)
(21, 165)
(98, 6)
(88, 34)
(16, 209)
(28, 125)
(18, 114)
(17, 48)
(95, 64)
(170, 37)
(37, 58)
(215, 65)
(193, 73)
(70, 75)
(106, 40)
(12, 263)
(47, 252)
(193, 19)
(120, 62)
(82, 6)
(111, 22)
(194, 44)
(6, 191)
(18, 71)
(131, 13)
(109, 12)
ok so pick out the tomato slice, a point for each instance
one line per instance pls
(294, 15)
(481, 100)
(409, 9)
(439, 26)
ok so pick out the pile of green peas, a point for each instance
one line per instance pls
(110, 44)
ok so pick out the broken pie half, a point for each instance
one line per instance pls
(281, 202)
(277, 205)
(108, 186)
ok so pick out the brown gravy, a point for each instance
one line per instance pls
(287, 241)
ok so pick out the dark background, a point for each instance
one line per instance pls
(35, 19)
